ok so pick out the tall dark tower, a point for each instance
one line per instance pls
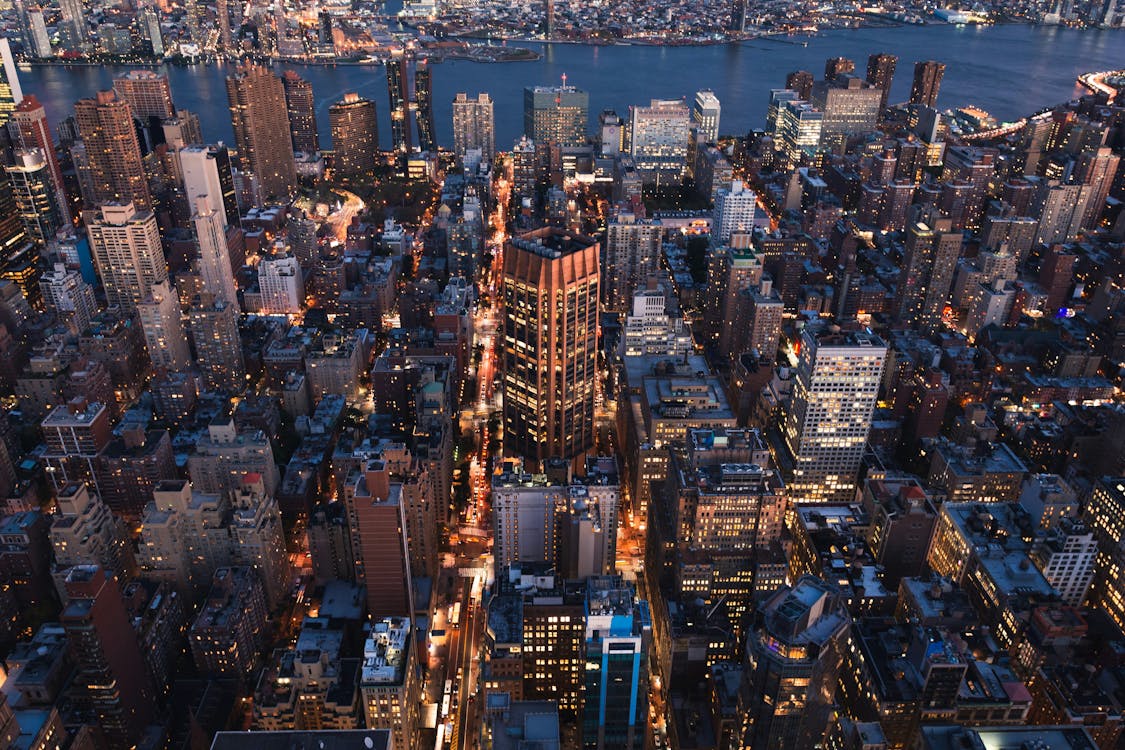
(880, 73)
(837, 66)
(398, 86)
(424, 106)
(927, 82)
(549, 22)
(739, 16)
(800, 81)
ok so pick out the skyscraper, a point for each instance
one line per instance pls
(355, 138)
(632, 254)
(37, 28)
(10, 91)
(618, 635)
(207, 172)
(74, 30)
(377, 524)
(261, 128)
(850, 106)
(932, 250)
(218, 348)
(800, 81)
(398, 89)
(735, 206)
(163, 328)
(147, 93)
(30, 130)
(556, 114)
(881, 73)
(30, 182)
(473, 126)
(424, 105)
(793, 657)
(113, 152)
(550, 329)
(829, 417)
(280, 283)
(927, 82)
(125, 243)
(67, 295)
(301, 106)
(837, 66)
(705, 115)
(215, 272)
(658, 140)
(222, 13)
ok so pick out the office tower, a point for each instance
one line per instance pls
(125, 244)
(149, 23)
(556, 114)
(355, 138)
(228, 632)
(262, 131)
(30, 130)
(550, 329)
(632, 254)
(927, 82)
(67, 295)
(10, 91)
(705, 115)
(377, 524)
(881, 73)
(29, 180)
(473, 126)
(159, 314)
(110, 669)
(147, 93)
(838, 66)
(618, 635)
(932, 250)
(207, 172)
(800, 81)
(734, 212)
(424, 105)
(215, 273)
(658, 140)
(389, 681)
(611, 134)
(798, 131)
(851, 106)
(218, 348)
(398, 89)
(40, 40)
(793, 659)
(301, 106)
(1065, 555)
(113, 152)
(829, 416)
(281, 283)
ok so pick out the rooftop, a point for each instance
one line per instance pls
(385, 652)
(351, 739)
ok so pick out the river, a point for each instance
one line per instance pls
(1006, 70)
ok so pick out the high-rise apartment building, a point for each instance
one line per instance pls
(826, 427)
(378, 527)
(40, 39)
(881, 73)
(735, 206)
(793, 657)
(550, 330)
(355, 138)
(215, 273)
(30, 130)
(218, 348)
(30, 180)
(300, 104)
(259, 112)
(389, 681)
(835, 67)
(85, 531)
(556, 114)
(281, 283)
(705, 115)
(110, 670)
(207, 172)
(10, 91)
(927, 82)
(147, 93)
(228, 631)
(932, 250)
(125, 243)
(67, 294)
(654, 325)
(658, 140)
(163, 328)
(113, 151)
(473, 126)
(800, 81)
(618, 636)
(632, 254)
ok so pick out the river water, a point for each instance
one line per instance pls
(1006, 70)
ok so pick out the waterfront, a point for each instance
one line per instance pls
(991, 67)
